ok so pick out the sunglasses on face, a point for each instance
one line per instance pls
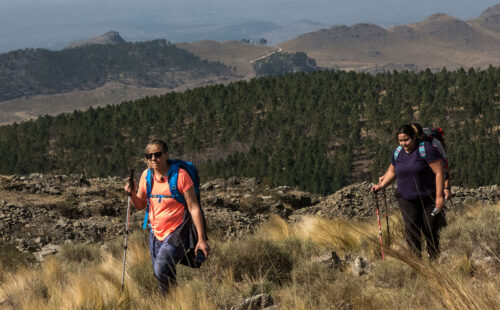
(155, 154)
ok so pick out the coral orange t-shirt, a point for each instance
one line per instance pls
(165, 215)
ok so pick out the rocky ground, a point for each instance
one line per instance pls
(38, 213)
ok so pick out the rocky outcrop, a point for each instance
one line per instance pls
(38, 213)
(356, 201)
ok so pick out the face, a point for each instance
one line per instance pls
(406, 142)
(156, 162)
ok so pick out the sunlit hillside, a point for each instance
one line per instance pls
(292, 263)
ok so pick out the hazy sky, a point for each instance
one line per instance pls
(55, 23)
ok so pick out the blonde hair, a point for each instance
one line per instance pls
(415, 129)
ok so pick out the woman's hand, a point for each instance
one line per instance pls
(130, 190)
(376, 188)
(440, 203)
(138, 200)
(447, 194)
(202, 245)
(388, 177)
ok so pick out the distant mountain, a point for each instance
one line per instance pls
(289, 31)
(490, 18)
(436, 42)
(28, 78)
(158, 64)
(110, 37)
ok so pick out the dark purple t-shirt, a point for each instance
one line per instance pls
(414, 176)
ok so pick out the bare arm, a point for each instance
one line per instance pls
(437, 168)
(388, 178)
(195, 211)
(447, 186)
(380, 179)
(138, 199)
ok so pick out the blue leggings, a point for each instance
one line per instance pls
(164, 257)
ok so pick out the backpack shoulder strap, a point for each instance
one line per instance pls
(421, 149)
(397, 151)
(149, 185)
(173, 176)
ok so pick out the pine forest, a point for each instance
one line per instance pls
(318, 131)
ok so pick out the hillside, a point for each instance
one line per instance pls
(75, 208)
(318, 131)
(271, 248)
(436, 42)
(134, 69)
(149, 64)
(232, 53)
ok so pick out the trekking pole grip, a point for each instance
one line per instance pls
(131, 181)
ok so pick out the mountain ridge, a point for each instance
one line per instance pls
(110, 37)
(438, 41)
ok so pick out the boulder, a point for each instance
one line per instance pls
(258, 302)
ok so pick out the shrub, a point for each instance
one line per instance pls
(475, 230)
(11, 258)
(144, 278)
(255, 258)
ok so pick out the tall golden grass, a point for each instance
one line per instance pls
(280, 259)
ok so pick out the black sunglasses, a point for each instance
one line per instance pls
(155, 154)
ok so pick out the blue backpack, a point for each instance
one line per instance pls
(172, 176)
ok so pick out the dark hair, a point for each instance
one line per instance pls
(159, 142)
(407, 130)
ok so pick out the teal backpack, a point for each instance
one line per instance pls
(421, 150)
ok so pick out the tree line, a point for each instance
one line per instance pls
(302, 129)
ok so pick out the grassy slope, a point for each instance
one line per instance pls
(280, 259)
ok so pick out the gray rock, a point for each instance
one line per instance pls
(258, 302)
(358, 267)
(49, 249)
(207, 186)
(249, 183)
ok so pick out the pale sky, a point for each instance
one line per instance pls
(55, 23)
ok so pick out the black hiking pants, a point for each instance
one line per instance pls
(417, 219)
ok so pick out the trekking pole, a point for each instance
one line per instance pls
(387, 219)
(131, 186)
(379, 227)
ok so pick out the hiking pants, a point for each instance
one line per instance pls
(417, 220)
(164, 257)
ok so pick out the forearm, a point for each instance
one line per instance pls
(389, 177)
(195, 212)
(447, 184)
(138, 203)
(439, 185)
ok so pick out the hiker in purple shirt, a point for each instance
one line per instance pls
(418, 168)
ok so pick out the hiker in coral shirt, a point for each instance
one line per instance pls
(172, 223)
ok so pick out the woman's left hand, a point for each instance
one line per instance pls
(203, 245)
(439, 203)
